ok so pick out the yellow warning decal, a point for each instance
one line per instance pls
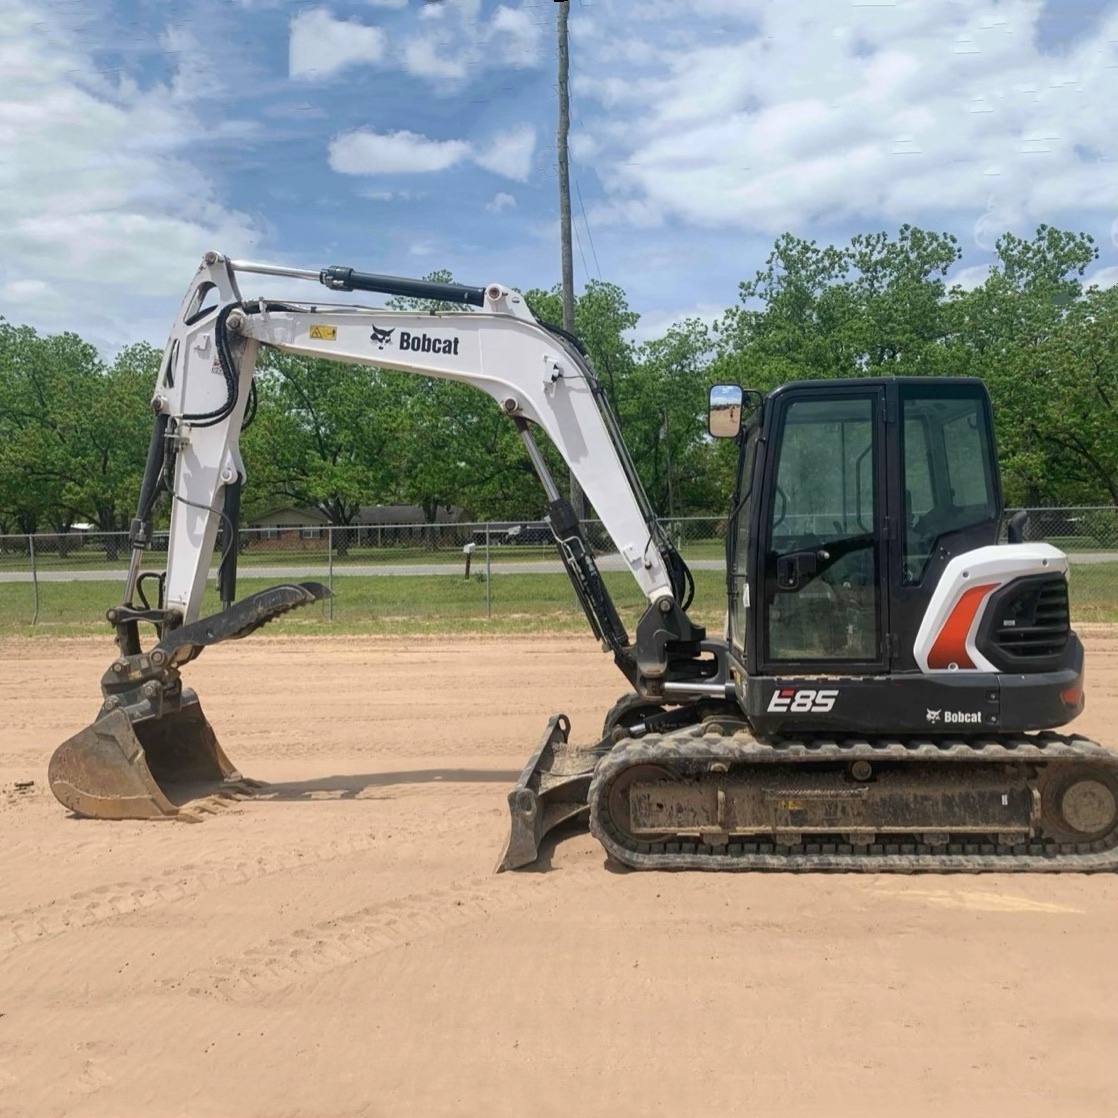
(325, 333)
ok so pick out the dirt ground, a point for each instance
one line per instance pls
(340, 946)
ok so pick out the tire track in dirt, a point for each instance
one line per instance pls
(92, 906)
(283, 962)
(192, 879)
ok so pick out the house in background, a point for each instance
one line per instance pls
(306, 529)
(288, 529)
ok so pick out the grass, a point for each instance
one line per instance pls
(375, 604)
(447, 603)
(1094, 592)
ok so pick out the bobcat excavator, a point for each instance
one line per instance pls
(885, 692)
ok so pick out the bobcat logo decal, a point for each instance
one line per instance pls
(934, 715)
(381, 337)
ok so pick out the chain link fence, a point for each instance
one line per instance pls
(450, 576)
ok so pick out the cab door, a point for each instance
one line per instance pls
(739, 547)
(820, 549)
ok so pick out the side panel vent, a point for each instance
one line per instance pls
(1027, 624)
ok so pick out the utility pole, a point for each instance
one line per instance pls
(565, 170)
(578, 500)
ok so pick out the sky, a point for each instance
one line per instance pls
(405, 136)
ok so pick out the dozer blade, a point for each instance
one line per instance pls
(552, 789)
(152, 750)
(118, 768)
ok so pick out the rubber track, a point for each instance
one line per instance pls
(697, 746)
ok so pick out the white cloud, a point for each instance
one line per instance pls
(392, 195)
(196, 76)
(423, 60)
(366, 152)
(26, 291)
(818, 114)
(449, 43)
(1103, 277)
(514, 34)
(457, 43)
(583, 147)
(970, 278)
(98, 188)
(656, 323)
(510, 154)
(1000, 216)
(322, 46)
(701, 130)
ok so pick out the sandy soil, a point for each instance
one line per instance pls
(342, 947)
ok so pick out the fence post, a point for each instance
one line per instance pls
(34, 580)
(330, 569)
(488, 579)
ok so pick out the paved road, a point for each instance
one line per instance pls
(318, 571)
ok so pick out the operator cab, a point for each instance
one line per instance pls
(852, 496)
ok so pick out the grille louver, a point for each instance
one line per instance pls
(1032, 623)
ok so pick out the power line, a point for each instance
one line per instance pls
(589, 235)
(578, 241)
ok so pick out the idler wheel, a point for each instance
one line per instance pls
(1082, 805)
(1089, 807)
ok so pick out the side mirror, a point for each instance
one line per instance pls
(724, 412)
(1015, 529)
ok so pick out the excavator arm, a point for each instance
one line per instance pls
(537, 376)
(150, 728)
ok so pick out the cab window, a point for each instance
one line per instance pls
(948, 461)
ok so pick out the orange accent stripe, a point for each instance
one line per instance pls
(950, 645)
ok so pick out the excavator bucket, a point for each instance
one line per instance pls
(552, 789)
(151, 753)
(118, 768)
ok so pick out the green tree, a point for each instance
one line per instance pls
(449, 443)
(603, 318)
(881, 305)
(664, 402)
(1076, 413)
(47, 386)
(111, 439)
(874, 306)
(1038, 341)
(782, 330)
(318, 439)
(451, 446)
